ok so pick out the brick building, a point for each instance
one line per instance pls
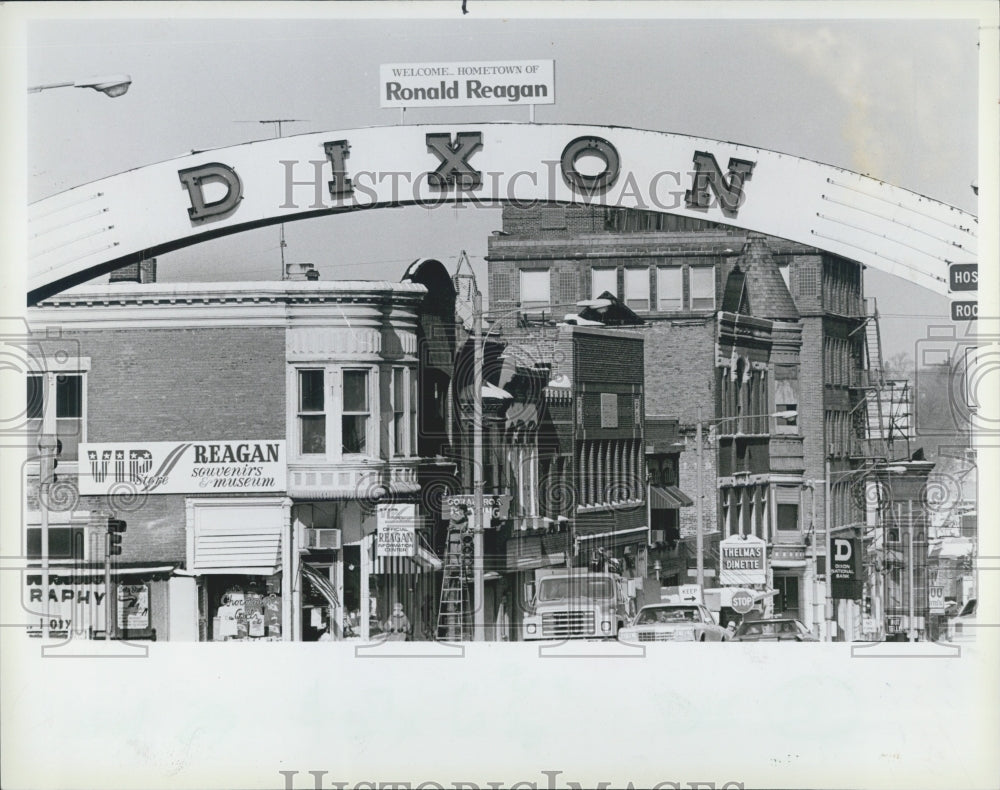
(736, 324)
(251, 435)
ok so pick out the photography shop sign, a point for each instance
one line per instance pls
(116, 468)
(93, 229)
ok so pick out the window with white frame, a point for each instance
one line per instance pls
(603, 280)
(669, 289)
(400, 412)
(67, 405)
(637, 289)
(535, 288)
(312, 412)
(355, 412)
(702, 287)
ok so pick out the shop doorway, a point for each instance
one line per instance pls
(786, 602)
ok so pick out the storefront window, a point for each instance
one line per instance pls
(243, 607)
(355, 413)
(312, 420)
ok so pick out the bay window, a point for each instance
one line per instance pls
(312, 412)
(355, 413)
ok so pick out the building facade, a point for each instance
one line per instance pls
(259, 441)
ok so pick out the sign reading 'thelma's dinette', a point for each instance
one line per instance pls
(117, 468)
(742, 560)
(467, 84)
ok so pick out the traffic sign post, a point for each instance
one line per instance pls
(741, 601)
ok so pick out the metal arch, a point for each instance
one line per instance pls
(101, 226)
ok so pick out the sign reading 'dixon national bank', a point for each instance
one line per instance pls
(467, 84)
(116, 468)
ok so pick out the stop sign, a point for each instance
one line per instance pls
(741, 601)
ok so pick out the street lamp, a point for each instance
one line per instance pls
(699, 513)
(113, 85)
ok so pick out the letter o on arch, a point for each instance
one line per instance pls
(592, 146)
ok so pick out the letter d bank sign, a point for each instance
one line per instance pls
(845, 565)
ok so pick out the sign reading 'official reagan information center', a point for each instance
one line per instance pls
(182, 467)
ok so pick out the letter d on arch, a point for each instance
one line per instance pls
(193, 179)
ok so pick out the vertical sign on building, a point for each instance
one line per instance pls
(845, 567)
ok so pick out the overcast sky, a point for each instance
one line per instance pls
(893, 99)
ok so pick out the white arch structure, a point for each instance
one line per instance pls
(95, 228)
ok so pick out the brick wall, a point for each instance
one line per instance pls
(183, 384)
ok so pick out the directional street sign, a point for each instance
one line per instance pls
(963, 276)
(964, 311)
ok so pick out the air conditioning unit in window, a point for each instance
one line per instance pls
(321, 538)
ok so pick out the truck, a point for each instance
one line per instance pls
(575, 603)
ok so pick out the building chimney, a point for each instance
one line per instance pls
(300, 271)
(142, 272)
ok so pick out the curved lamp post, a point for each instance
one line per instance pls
(112, 85)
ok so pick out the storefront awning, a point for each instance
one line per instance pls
(668, 498)
(65, 574)
(421, 560)
(321, 582)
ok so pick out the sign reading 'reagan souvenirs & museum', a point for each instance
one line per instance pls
(115, 468)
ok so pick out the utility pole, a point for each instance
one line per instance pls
(911, 631)
(478, 587)
(827, 534)
(699, 534)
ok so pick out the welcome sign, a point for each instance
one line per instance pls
(467, 84)
(114, 468)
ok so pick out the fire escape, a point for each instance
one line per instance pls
(882, 413)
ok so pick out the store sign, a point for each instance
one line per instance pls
(200, 467)
(467, 84)
(75, 603)
(845, 568)
(936, 598)
(396, 534)
(496, 507)
(133, 607)
(743, 561)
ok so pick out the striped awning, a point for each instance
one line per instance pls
(668, 498)
(321, 582)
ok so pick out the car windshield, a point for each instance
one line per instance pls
(668, 614)
(562, 588)
(759, 628)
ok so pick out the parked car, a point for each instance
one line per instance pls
(673, 623)
(962, 627)
(775, 629)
